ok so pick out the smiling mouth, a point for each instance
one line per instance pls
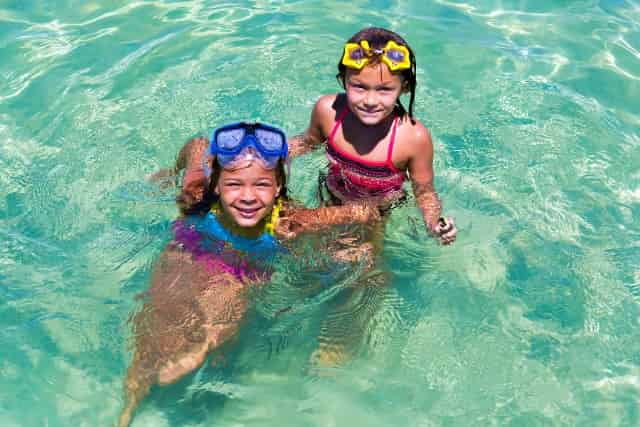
(247, 212)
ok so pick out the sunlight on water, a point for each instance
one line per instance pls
(531, 318)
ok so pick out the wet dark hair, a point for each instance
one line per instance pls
(378, 38)
(210, 197)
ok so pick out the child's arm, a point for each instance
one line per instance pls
(300, 220)
(421, 172)
(191, 150)
(190, 155)
(190, 158)
(314, 135)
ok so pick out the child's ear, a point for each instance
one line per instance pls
(405, 87)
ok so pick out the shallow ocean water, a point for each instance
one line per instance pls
(530, 319)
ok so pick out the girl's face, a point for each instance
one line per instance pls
(372, 92)
(247, 193)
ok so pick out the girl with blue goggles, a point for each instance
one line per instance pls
(228, 142)
(224, 242)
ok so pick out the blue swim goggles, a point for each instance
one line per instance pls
(269, 143)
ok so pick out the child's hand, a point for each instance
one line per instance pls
(445, 230)
(193, 186)
(289, 227)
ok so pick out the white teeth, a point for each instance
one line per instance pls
(247, 212)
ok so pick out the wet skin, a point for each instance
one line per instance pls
(189, 312)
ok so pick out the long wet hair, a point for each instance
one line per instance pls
(209, 198)
(378, 38)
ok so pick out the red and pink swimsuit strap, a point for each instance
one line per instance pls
(341, 117)
(388, 162)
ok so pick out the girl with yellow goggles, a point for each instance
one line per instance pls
(372, 143)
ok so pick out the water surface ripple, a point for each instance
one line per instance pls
(531, 318)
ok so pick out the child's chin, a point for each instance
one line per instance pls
(372, 120)
(248, 222)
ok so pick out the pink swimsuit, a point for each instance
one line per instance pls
(352, 178)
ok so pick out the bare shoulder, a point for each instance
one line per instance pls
(325, 112)
(415, 138)
(326, 102)
(325, 107)
(416, 133)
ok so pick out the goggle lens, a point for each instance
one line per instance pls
(247, 154)
(357, 54)
(230, 139)
(264, 143)
(271, 141)
(395, 55)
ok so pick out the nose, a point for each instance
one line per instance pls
(370, 99)
(248, 195)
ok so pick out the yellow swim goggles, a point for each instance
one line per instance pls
(357, 55)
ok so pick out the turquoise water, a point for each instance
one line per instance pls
(530, 319)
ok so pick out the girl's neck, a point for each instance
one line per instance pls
(231, 226)
(365, 137)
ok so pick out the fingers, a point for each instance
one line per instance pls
(447, 239)
(284, 232)
(446, 230)
(288, 229)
